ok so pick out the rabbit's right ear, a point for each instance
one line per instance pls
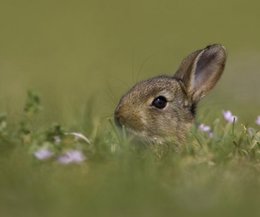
(201, 70)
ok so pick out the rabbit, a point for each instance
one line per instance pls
(163, 108)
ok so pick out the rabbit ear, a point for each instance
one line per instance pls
(201, 70)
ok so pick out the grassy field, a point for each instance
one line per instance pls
(63, 67)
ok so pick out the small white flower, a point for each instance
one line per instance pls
(57, 140)
(258, 120)
(204, 128)
(72, 156)
(43, 154)
(229, 117)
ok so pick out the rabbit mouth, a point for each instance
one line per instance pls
(140, 136)
(146, 137)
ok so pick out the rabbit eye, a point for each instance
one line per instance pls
(159, 102)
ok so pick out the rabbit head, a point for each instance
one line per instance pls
(163, 108)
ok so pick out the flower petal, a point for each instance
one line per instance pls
(72, 156)
(43, 154)
(258, 120)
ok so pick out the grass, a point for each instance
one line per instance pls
(82, 56)
(208, 176)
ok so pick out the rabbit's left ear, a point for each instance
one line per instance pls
(201, 70)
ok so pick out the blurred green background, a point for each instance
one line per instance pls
(82, 54)
(71, 51)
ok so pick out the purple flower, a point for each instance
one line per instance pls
(229, 117)
(43, 154)
(211, 135)
(258, 120)
(204, 128)
(72, 156)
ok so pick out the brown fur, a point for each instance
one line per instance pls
(197, 74)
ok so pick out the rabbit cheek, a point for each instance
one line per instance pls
(135, 123)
